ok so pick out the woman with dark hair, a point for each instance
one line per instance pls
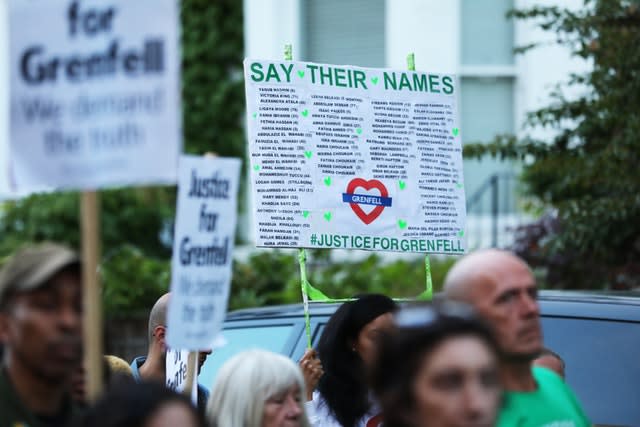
(439, 368)
(145, 404)
(347, 348)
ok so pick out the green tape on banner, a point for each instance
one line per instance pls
(411, 62)
(316, 295)
(304, 287)
(427, 295)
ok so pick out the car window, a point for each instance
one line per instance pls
(602, 365)
(316, 330)
(271, 337)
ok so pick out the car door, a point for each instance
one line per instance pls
(601, 365)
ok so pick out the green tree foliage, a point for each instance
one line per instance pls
(213, 88)
(588, 174)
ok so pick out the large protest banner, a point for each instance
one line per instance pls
(202, 251)
(94, 93)
(355, 158)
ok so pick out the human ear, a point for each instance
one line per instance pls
(160, 335)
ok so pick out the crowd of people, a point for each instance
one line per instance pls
(473, 357)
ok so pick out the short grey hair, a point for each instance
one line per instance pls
(245, 382)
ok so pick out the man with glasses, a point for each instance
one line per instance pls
(502, 289)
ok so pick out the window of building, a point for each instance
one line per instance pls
(344, 32)
(487, 78)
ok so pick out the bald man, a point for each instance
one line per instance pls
(503, 290)
(152, 366)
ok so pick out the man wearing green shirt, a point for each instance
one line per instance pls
(503, 290)
(40, 330)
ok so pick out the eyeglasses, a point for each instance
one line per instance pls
(425, 315)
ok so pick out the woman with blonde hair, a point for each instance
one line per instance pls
(258, 388)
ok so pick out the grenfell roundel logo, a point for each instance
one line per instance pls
(355, 200)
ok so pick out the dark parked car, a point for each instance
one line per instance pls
(597, 334)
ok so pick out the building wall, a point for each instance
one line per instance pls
(464, 37)
(418, 26)
(4, 98)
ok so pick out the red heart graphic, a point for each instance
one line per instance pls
(367, 218)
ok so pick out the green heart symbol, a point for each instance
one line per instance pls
(256, 167)
(327, 181)
(301, 73)
(455, 131)
(255, 115)
(359, 131)
(402, 224)
(460, 233)
(374, 80)
(304, 113)
(327, 216)
(402, 184)
(305, 213)
(308, 154)
(459, 184)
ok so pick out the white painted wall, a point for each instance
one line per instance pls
(4, 98)
(269, 25)
(428, 28)
(539, 70)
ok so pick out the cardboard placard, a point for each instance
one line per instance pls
(95, 93)
(202, 251)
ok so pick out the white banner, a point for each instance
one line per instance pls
(356, 158)
(202, 250)
(176, 372)
(95, 93)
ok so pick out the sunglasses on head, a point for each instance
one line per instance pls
(425, 315)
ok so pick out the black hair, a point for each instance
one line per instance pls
(132, 404)
(343, 385)
(402, 352)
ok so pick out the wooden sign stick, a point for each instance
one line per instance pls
(91, 295)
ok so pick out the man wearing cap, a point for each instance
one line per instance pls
(41, 332)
